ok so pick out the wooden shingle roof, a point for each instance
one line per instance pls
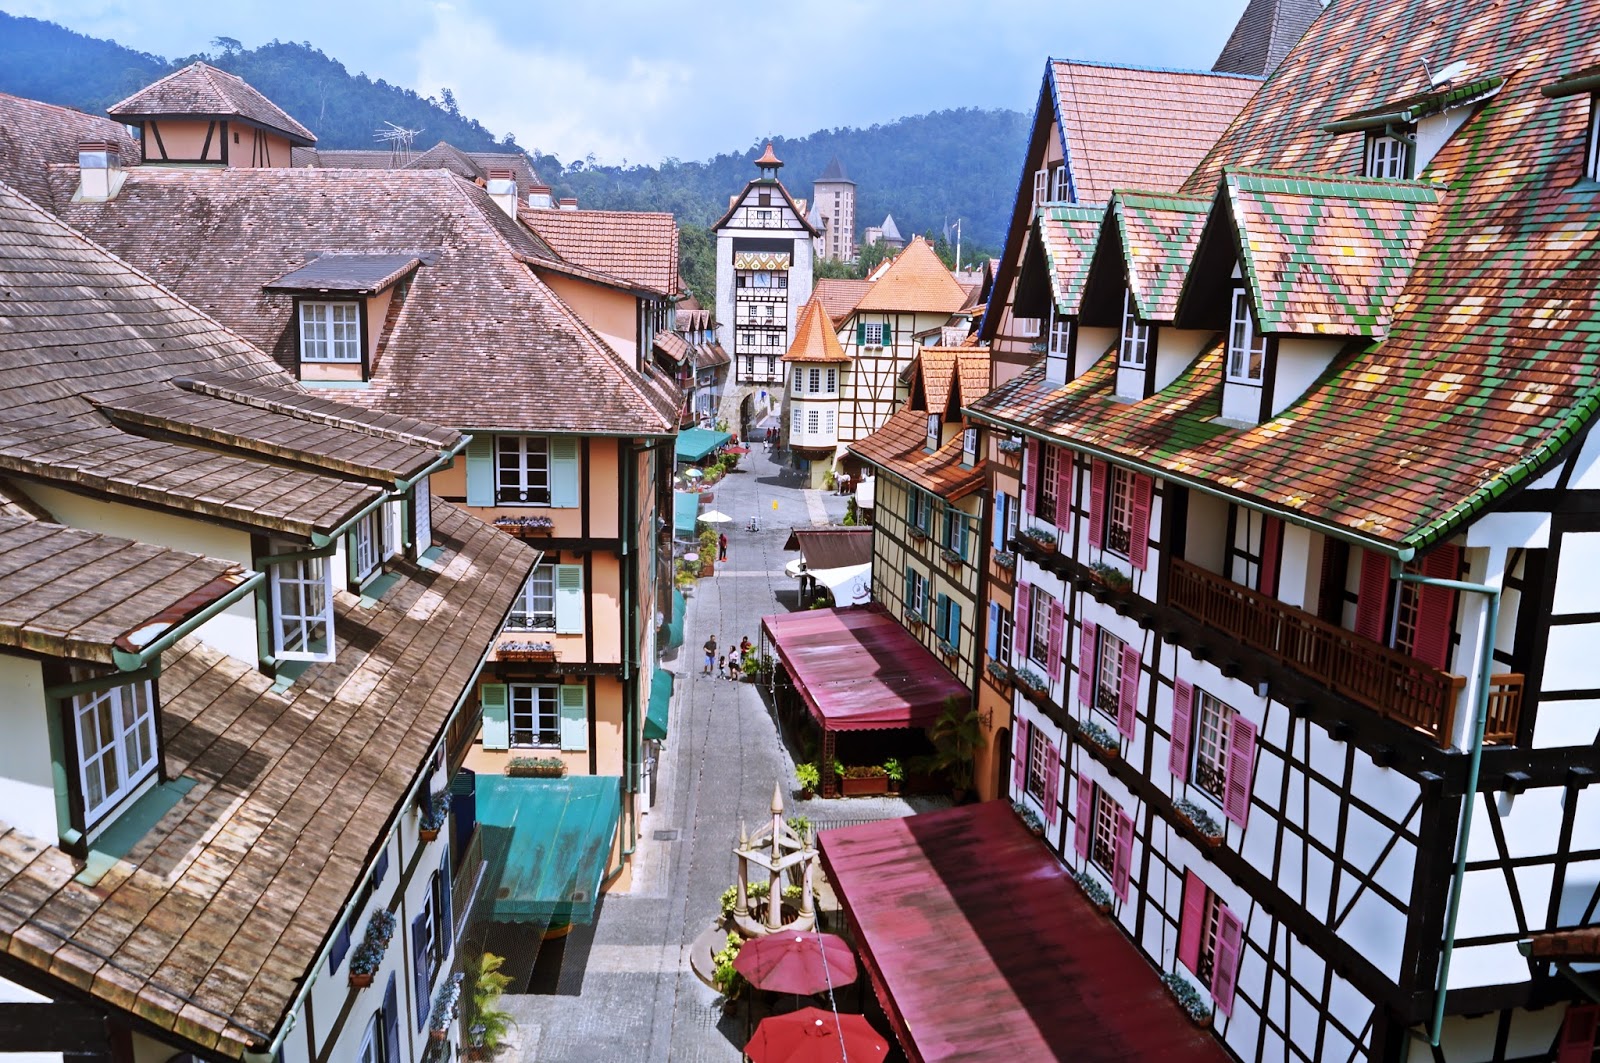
(201, 90)
(33, 135)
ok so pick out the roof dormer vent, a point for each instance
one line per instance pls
(502, 188)
(99, 171)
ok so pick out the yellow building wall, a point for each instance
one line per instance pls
(613, 314)
(183, 139)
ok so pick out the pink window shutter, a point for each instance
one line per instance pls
(1124, 855)
(1178, 748)
(1436, 608)
(1271, 548)
(1064, 495)
(1020, 636)
(1373, 603)
(1241, 769)
(1097, 503)
(1019, 758)
(1052, 778)
(1057, 623)
(1030, 478)
(1577, 1033)
(1192, 927)
(1087, 642)
(1128, 692)
(1139, 532)
(1080, 829)
(1225, 964)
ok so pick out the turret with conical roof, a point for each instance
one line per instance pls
(769, 164)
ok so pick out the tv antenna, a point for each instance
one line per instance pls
(399, 140)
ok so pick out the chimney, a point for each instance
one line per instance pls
(99, 170)
(502, 188)
(539, 197)
(569, 203)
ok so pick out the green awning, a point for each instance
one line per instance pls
(655, 720)
(685, 514)
(697, 443)
(675, 625)
(546, 844)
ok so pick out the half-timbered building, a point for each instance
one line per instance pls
(1301, 612)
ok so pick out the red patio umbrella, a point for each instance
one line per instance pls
(812, 1035)
(796, 962)
(737, 449)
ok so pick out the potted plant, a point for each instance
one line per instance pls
(1211, 832)
(1042, 539)
(864, 780)
(956, 738)
(896, 773)
(486, 1024)
(444, 1009)
(536, 768)
(809, 778)
(1099, 737)
(525, 526)
(1030, 818)
(433, 817)
(365, 960)
(727, 980)
(1010, 445)
(1111, 576)
(1188, 997)
(1005, 559)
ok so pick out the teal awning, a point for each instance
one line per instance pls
(685, 514)
(546, 844)
(697, 443)
(655, 720)
(675, 625)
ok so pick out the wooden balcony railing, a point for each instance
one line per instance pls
(1385, 680)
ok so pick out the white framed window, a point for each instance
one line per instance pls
(1060, 185)
(1103, 842)
(1041, 186)
(1119, 518)
(1038, 758)
(1213, 720)
(833, 382)
(813, 422)
(1135, 337)
(933, 431)
(330, 332)
(919, 510)
(1247, 348)
(1388, 157)
(302, 610)
(369, 543)
(814, 381)
(522, 471)
(1039, 626)
(1108, 673)
(535, 714)
(916, 592)
(1060, 335)
(1028, 327)
(827, 422)
(1592, 169)
(116, 731)
(371, 1050)
(969, 446)
(535, 607)
(872, 336)
(955, 531)
(1045, 500)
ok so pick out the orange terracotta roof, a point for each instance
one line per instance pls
(916, 281)
(814, 338)
(942, 378)
(840, 295)
(634, 246)
(202, 90)
(768, 158)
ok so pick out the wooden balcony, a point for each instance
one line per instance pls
(1388, 682)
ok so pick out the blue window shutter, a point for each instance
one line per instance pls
(496, 725)
(447, 912)
(480, 471)
(997, 533)
(994, 631)
(954, 637)
(961, 534)
(563, 473)
(391, 1023)
(574, 706)
(941, 610)
(420, 975)
(569, 599)
(341, 945)
(381, 868)
(910, 588)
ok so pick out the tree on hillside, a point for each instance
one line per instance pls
(697, 263)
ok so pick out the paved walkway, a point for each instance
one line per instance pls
(625, 991)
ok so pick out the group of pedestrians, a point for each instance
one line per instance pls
(729, 667)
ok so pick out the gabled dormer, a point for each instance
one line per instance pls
(1584, 84)
(1050, 288)
(1402, 136)
(341, 305)
(204, 115)
(1293, 270)
(1140, 261)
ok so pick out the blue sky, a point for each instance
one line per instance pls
(643, 81)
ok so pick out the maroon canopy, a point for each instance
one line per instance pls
(858, 670)
(983, 950)
(812, 1035)
(800, 962)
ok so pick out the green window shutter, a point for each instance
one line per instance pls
(954, 638)
(480, 471)
(940, 613)
(961, 535)
(574, 718)
(910, 587)
(496, 727)
(564, 473)
(861, 333)
(888, 335)
(569, 599)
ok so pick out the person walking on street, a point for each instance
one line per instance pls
(744, 650)
(734, 670)
(711, 655)
(722, 547)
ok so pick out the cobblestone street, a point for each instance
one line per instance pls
(626, 991)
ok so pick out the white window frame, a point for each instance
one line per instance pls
(1247, 347)
(1041, 186)
(919, 594)
(828, 428)
(833, 383)
(371, 1050)
(1006, 625)
(330, 332)
(813, 422)
(533, 711)
(1108, 673)
(1028, 328)
(1060, 335)
(306, 586)
(1134, 347)
(1038, 643)
(515, 459)
(1210, 921)
(1038, 756)
(535, 607)
(872, 334)
(1047, 507)
(1591, 169)
(969, 446)
(1060, 191)
(814, 381)
(369, 543)
(1213, 722)
(1387, 157)
(116, 732)
(1103, 831)
(933, 431)
(1119, 511)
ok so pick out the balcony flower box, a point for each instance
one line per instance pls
(1093, 890)
(1112, 577)
(525, 527)
(864, 780)
(527, 652)
(1010, 445)
(951, 557)
(1032, 683)
(1188, 998)
(1005, 560)
(1100, 738)
(917, 533)
(1199, 820)
(1000, 671)
(536, 768)
(1039, 538)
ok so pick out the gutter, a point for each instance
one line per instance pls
(150, 654)
(323, 540)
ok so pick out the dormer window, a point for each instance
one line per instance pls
(116, 740)
(1592, 169)
(933, 431)
(1059, 191)
(369, 545)
(1388, 157)
(330, 332)
(302, 610)
(1041, 186)
(1247, 348)
(1135, 337)
(1059, 350)
(969, 447)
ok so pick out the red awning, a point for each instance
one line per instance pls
(981, 947)
(859, 670)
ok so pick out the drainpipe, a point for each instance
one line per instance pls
(1491, 610)
(402, 488)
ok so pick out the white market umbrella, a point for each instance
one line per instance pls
(693, 473)
(712, 516)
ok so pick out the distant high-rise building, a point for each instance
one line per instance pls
(833, 204)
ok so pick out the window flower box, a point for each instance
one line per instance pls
(433, 817)
(1040, 539)
(1032, 682)
(368, 956)
(1093, 890)
(536, 768)
(1199, 820)
(525, 527)
(1030, 818)
(947, 648)
(1112, 577)
(917, 533)
(914, 620)
(1038, 348)
(1010, 445)
(537, 652)
(446, 1004)
(864, 780)
(1100, 738)
(1000, 671)
(1006, 560)
(1188, 998)
(951, 557)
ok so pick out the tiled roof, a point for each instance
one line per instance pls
(839, 295)
(443, 155)
(202, 90)
(1068, 235)
(710, 355)
(352, 274)
(80, 595)
(1265, 33)
(33, 135)
(1418, 105)
(473, 339)
(1158, 235)
(814, 337)
(672, 345)
(942, 377)
(1327, 257)
(1579, 943)
(638, 247)
(915, 282)
(834, 174)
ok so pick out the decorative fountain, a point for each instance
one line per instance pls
(777, 848)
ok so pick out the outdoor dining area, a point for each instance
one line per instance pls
(807, 964)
